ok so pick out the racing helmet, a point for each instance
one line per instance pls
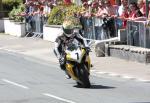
(68, 28)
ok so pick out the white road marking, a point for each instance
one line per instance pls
(102, 72)
(113, 74)
(97, 73)
(16, 84)
(127, 77)
(61, 99)
(9, 50)
(143, 80)
(92, 70)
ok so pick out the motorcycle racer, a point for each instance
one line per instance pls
(65, 39)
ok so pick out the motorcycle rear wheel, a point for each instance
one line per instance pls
(84, 77)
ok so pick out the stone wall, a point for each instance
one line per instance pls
(131, 53)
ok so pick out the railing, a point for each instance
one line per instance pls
(34, 25)
(93, 28)
(138, 34)
(99, 29)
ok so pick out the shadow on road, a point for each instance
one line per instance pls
(97, 87)
(101, 87)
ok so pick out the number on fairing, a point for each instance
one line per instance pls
(77, 56)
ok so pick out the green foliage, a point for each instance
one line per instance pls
(15, 13)
(9, 4)
(62, 12)
(56, 16)
(12, 14)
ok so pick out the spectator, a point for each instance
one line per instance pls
(84, 1)
(110, 22)
(81, 17)
(94, 6)
(111, 10)
(88, 10)
(88, 20)
(84, 8)
(47, 9)
(142, 6)
(53, 2)
(112, 2)
(41, 19)
(102, 12)
(27, 6)
(149, 12)
(36, 17)
(124, 16)
(67, 2)
(123, 7)
(123, 13)
(30, 14)
(99, 21)
(135, 13)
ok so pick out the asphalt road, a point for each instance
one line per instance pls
(28, 80)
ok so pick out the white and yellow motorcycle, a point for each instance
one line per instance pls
(78, 64)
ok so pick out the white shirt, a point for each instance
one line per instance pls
(120, 10)
(46, 10)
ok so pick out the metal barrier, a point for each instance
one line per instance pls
(99, 29)
(93, 28)
(138, 34)
(34, 26)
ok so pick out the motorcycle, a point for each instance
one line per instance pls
(78, 64)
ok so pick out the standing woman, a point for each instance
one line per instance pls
(142, 6)
(134, 15)
(87, 20)
(100, 14)
(135, 12)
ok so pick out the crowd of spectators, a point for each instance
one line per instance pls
(125, 11)
(36, 13)
(120, 14)
(101, 10)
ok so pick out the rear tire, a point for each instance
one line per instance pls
(79, 84)
(84, 77)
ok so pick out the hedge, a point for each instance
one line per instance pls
(9, 4)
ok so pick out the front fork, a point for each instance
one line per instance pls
(88, 61)
(69, 68)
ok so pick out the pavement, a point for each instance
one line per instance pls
(109, 66)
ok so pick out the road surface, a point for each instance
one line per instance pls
(25, 79)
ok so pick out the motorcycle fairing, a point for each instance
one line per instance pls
(75, 55)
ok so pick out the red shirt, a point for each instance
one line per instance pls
(112, 2)
(132, 15)
(126, 15)
(143, 10)
(67, 1)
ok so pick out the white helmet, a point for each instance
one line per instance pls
(68, 28)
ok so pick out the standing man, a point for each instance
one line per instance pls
(122, 7)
